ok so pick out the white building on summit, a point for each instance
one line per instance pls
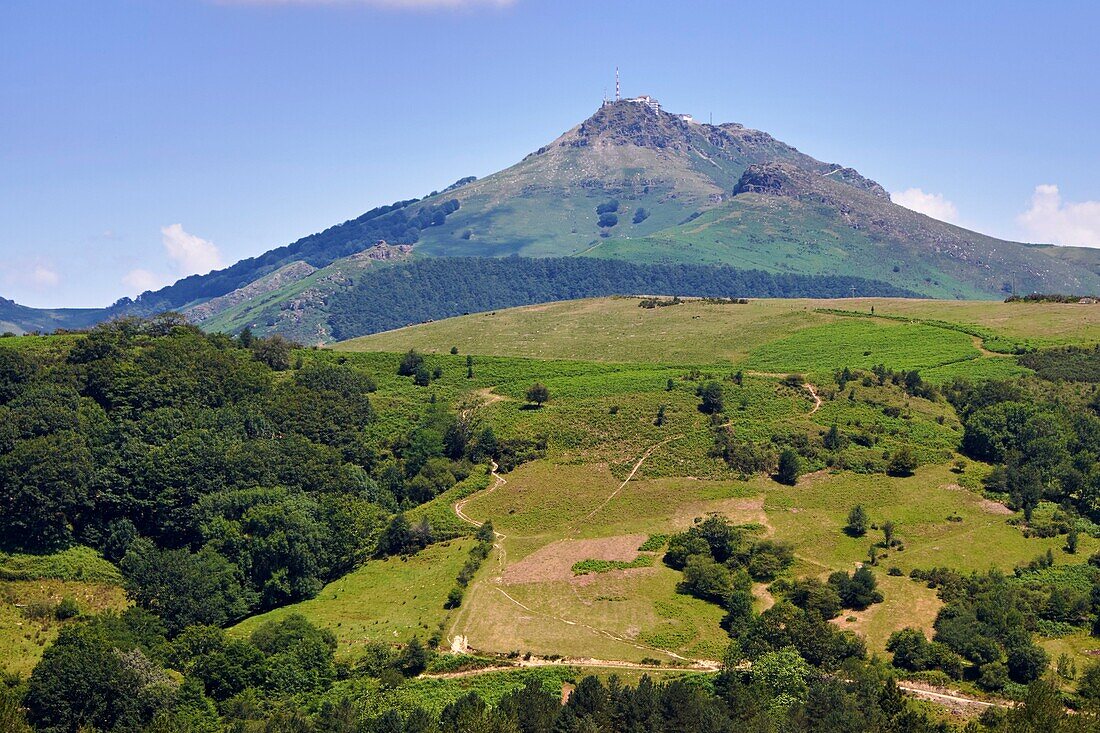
(647, 100)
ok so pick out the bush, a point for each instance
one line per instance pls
(902, 463)
(66, 609)
(790, 467)
(710, 396)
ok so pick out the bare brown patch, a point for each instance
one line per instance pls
(994, 507)
(738, 511)
(763, 596)
(555, 561)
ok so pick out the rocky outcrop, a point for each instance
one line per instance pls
(274, 281)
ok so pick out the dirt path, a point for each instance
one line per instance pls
(949, 698)
(805, 385)
(633, 471)
(608, 634)
(572, 662)
(813, 393)
(498, 544)
(460, 505)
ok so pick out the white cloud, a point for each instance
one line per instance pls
(395, 4)
(190, 255)
(43, 277)
(138, 281)
(187, 254)
(929, 204)
(1050, 219)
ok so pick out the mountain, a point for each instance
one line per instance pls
(19, 319)
(632, 183)
(731, 195)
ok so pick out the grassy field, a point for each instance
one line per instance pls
(609, 365)
(383, 600)
(32, 586)
(697, 332)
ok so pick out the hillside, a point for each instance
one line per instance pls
(731, 195)
(373, 530)
(617, 330)
(629, 183)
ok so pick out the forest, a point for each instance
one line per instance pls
(434, 288)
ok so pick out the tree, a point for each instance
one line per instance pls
(640, 215)
(902, 463)
(1071, 541)
(858, 590)
(888, 533)
(184, 588)
(660, 416)
(706, 579)
(857, 522)
(789, 467)
(421, 378)
(98, 674)
(44, 485)
(810, 594)
(395, 538)
(414, 658)
(832, 439)
(1026, 663)
(1088, 687)
(410, 362)
(537, 394)
(710, 395)
(274, 352)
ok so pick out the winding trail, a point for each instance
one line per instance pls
(813, 393)
(805, 385)
(498, 544)
(459, 507)
(941, 697)
(633, 471)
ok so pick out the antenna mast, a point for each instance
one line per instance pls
(617, 95)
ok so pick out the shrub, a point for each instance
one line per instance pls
(66, 609)
(789, 467)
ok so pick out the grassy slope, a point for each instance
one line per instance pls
(390, 600)
(616, 329)
(608, 365)
(599, 423)
(754, 232)
(32, 585)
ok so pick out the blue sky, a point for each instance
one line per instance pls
(143, 140)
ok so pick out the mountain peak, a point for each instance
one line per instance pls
(637, 121)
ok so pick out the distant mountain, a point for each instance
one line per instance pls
(630, 183)
(20, 319)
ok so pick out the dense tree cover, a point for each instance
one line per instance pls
(398, 223)
(219, 484)
(119, 672)
(720, 560)
(984, 630)
(1067, 363)
(1045, 445)
(433, 288)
